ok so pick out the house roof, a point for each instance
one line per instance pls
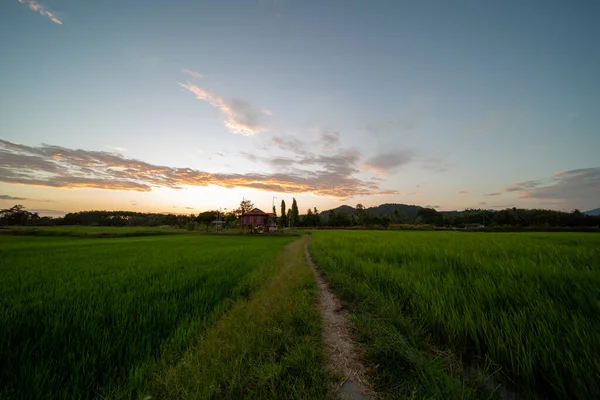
(255, 211)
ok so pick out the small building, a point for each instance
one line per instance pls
(258, 220)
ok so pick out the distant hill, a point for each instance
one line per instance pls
(595, 211)
(380, 210)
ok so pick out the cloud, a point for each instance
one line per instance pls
(436, 164)
(8, 197)
(40, 8)
(429, 206)
(54, 166)
(238, 116)
(577, 186)
(329, 139)
(463, 192)
(482, 203)
(389, 161)
(517, 187)
(193, 74)
(116, 148)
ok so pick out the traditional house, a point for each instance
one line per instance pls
(257, 220)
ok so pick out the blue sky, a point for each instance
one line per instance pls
(185, 106)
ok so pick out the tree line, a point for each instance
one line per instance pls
(290, 217)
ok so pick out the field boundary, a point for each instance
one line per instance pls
(343, 354)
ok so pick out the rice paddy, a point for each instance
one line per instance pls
(523, 307)
(439, 314)
(82, 318)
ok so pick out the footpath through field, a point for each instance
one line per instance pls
(343, 355)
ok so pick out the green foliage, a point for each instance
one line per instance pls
(283, 219)
(528, 303)
(84, 318)
(294, 214)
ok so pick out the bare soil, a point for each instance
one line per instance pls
(343, 355)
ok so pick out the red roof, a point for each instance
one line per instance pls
(256, 211)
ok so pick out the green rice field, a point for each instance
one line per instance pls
(85, 318)
(453, 314)
(438, 315)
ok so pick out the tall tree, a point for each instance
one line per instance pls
(309, 219)
(295, 214)
(245, 206)
(289, 216)
(361, 214)
(283, 219)
(316, 216)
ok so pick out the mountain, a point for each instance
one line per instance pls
(595, 211)
(380, 210)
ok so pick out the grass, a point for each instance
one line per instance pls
(267, 347)
(84, 318)
(90, 231)
(430, 307)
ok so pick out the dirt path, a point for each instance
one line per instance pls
(344, 359)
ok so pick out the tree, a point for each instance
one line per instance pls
(309, 220)
(206, 218)
(332, 218)
(294, 214)
(245, 206)
(429, 216)
(316, 216)
(362, 215)
(289, 217)
(283, 219)
(17, 215)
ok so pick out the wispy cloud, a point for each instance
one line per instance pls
(8, 197)
(239, 116)
(384, 163)
(193, 74)
(517, 187)
(116, 148)
(54, 166)
(329, 139)
(493, 194)
(463, 192)
(577, 186)
(40, 8)
(14, 198)
(573, 188)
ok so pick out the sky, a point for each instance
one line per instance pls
(185, 106)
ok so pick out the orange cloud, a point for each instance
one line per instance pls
(54, 166)
(238, 116)
(37, 7)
